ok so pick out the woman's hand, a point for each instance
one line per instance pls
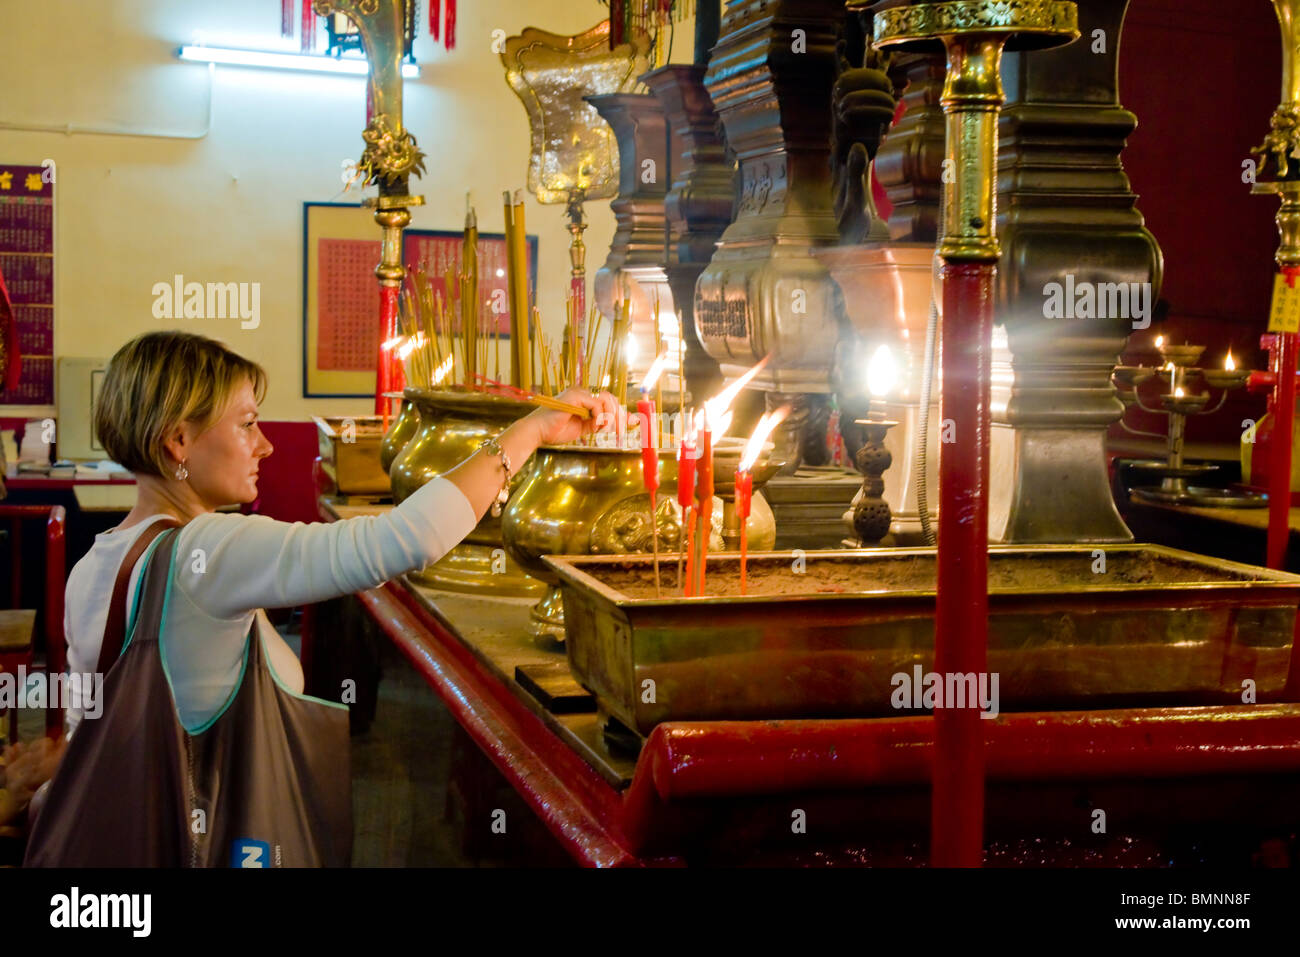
(555, 427)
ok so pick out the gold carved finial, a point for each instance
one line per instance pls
(973, 33)
(1283, 138)
(391, 155)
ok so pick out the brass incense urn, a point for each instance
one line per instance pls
(452, 424)
(583, 500)
(399, 433)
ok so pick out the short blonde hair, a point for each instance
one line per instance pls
(159, 380)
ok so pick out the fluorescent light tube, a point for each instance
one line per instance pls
(266, 59)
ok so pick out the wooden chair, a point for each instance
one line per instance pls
(18, 625)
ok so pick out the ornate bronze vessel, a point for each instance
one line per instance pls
(399, 433)
(1160, 626)
(452, 424)
(579, 500)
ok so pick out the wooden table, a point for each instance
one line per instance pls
(1233, 534)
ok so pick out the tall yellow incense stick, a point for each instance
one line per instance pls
(520, 346)
(469, 291)
(566, 351)
(618, 374)
(518, 305)
(593, 329)
(543, 353)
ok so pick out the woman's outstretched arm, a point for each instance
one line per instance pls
(228, 564)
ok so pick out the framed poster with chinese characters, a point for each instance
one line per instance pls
(341, 248)
(27, 262)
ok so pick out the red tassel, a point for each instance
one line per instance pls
(286, 18)
(435, 18)
(451, 25)
(308, 27)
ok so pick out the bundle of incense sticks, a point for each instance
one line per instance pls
(449, 340)
(521, 338)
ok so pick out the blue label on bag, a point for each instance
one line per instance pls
(246, 853)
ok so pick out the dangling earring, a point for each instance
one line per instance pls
(182, 473)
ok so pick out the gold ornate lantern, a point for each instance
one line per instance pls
(574, 155)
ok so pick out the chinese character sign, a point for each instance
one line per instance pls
(27, 263)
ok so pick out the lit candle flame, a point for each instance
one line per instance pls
(720, 404)
(1178, 392)
(712, 420)
(1160, 341)
(652, 374)
(441, 372)
(1229, 364)
(882, 372)
(766, 425)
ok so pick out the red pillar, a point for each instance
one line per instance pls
(961, 615)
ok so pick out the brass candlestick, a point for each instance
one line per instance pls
(1282, 141)
(1180, 369)
(871, 513)
(973, 35)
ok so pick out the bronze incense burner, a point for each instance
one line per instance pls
(826, 633)
(580, 500)
(452, 424)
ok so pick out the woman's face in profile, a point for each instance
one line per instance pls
(223, 461)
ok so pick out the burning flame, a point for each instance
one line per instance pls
(1178, 392)
(652, 374)
(1160, 341)
(1229, 364)
(766, 425)
(717, 411)
(441, 372)
(882, 372)
(712, 421)
(410, 345)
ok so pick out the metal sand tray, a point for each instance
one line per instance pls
(1158, 626)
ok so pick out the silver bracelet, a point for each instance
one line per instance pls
(493, 446)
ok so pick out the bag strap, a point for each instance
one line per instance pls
(115, 626)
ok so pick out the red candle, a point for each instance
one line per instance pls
(650, 474)
(744, 493)
(704, 500)
(645, 409)
(686, 456)
(685, 498)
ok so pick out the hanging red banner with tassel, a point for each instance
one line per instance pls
(308, 27)
(442, 22)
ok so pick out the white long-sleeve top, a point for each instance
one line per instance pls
(228, 567)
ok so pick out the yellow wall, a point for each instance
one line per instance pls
(224, 202)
